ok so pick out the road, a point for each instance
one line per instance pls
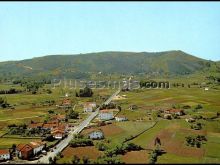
(64, 143)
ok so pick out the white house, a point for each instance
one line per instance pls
(4, 154)
(37, 147)
(106, 115)
(88, 107)
(58, 133)
(98, 134)
(121, 118)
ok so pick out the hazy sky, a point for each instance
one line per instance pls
(31, 29)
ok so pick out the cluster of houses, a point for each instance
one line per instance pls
(169, 112)
(108, 114)
(24, 151)
(55, 126)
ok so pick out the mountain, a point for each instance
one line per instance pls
(80, 65)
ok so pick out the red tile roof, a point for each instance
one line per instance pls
(59, 117)
(36, 144)
(105, 111)
(4, 151)
(35, 125)
(24, 147)
(66, 102)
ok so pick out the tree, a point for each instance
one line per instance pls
(86, 92)
(101, 146)
(48, 91)
(157, 141)
(75, 160)
(199, 106)
(119, 108)
(72, 114)
(3, 103)
(85, 160)
(50, 160)
(13, 147)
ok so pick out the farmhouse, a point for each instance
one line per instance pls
(35, 125)
(50, 125)
(106, 115)
(65, 103)
(96, 134)
(178, 112)
(27, 151)
(121, 118)
(24, 151)
(37, 147)
(88, 107)
(4, 154)
(58, 134)
(59, 117)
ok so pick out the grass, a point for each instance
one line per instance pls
(146, 137)
(8, 142)
(129, 129)
(172, 158)
(91, 152)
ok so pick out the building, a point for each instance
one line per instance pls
(50, 125)
(58, 133)
(89, 106)
(37, 147)
(65, 103)
(178, 112)
(106, 114)
(24, 151)
(121, 118)
(27, 151)
(4, 154)
(59, 117)
(35, 125)
(96, 134)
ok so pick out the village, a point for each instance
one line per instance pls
(57, 126)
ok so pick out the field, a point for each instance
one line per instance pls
(142, 127)
(28, 107)
(91, 152)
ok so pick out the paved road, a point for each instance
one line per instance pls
(60, 146)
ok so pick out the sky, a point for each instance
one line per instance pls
(33, 29)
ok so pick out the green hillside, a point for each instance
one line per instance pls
(81, 65)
